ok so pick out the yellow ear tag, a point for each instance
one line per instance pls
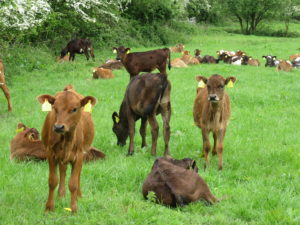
(201, 84)
(88, 107)
(117, 119)
(68, 209)
(20, 130)
(46, 106)
(128, 51)
(114, 51)
(230, 84)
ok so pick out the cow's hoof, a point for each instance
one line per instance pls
(129, 154)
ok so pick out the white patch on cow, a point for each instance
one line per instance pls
(297, 59)
(289, 62)
(1, 83)
(237, 62)
(81, 50)
(276, 62)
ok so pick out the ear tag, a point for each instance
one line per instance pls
(68, 209)
(128, 51)
(19, 130)
(117, 119)
(88, 107)
(230, 84)
(46, 106)
(201, 84)
(114, 51)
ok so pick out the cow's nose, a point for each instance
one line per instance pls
(118, 58)
(59, 128)
(213, 97)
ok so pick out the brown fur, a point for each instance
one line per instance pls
(285, 66)
(175, 182)
(67, 133)
(113, 65)
(186, 57)
(100, 72)
(178, 63)
(145, 97)
(4, 87)
(253, 62)
(212, 116)
(63, 59)
(137, 62)
(178, 48)
(293, 57)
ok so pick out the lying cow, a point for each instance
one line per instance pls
(178, 63)
(186, 57)
(67, 133)
(112, 64)
(78, 46)
(207, 59)
(295, 57)
(211, 113)
(248, 60)
(100, 72)
(145, 97)
(4, 87)
(137, 62)
(178, 48)
(284, 65)
(176, 183)
(271, 61)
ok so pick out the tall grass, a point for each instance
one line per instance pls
(261, 155)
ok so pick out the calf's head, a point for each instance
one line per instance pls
(67, 107)
(197, 52)
(121, 52)
(215, 86)
(63, 52)
(30, 134)
(120, 130)
(270, 60)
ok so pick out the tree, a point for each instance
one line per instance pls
(290, 9)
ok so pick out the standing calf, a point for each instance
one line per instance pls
(212, 112)
(145, 97)
(3, 86)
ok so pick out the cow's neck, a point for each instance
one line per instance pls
(123, 114)
(215, 110)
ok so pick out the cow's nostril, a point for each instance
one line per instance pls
(59, 128)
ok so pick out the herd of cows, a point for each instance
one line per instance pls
(68, 129)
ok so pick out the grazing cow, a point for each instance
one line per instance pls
(271, 61)
(211, 113)
(285, 65)
(3, 86)
(178, 63)
(112, 64)
(137, 62)
(79, 46)
(176, 183)
(145, 97)
(178, 48)
(247, 60)
(67, 133)
(100, 72)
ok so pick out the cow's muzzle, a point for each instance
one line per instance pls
(59, 128)
(213, 98)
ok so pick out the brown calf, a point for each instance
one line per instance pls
(178, 63)
(137, 62)
(284, 65)
(178, 48)
(176, 182)
(248, 60)
(186, 57)
(112, 64)
(212, 112)
(3, 86)
(100, 72)
(295, 56)
(145, 97)
(67, 133)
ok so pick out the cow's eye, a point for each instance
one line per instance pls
(74, 110)
(220, 86)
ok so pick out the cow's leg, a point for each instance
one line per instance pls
(86, 54)
(92, 54)
(52, 181)
(7, 95)
(163, 68)
(72, 56)
(214, 152)
(206, 146)
(220, 147)
(131, 128)
(143, 131)
(62, 178)
(74, 181)
(154, 131)
(166, 116)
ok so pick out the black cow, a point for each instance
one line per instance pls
(78, 46)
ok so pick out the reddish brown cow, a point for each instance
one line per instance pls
(145, 97)
(212, 112)
(100, 72)
(294, 57)
(176, 182)
(78, 46)
(67, 133)
(3, 86)
(284, 65)
(137, 62)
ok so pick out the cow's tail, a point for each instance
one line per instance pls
(169, 65)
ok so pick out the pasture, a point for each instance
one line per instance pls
(261, 157)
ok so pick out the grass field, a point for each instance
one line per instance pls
(261, 155)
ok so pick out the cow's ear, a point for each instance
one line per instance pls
(264, 56)
(274, 57)
(127, 50)
(115, 118)
(88, 99)
(69, 87)
(43, 98)
(21, 125)
(199, 78)
(232, 79)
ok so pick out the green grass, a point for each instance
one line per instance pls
(261, 155)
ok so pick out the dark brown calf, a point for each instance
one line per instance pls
(176, 182)
(145, 97)
(78, 46)
(212, 112)
(67, 133)
(137, 62)
(4, 87)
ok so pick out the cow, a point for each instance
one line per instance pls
(178, 48)
(248, 60)
(137, 62)
(211, 113)
(112, 64)
(4, 87)
(145, 97)
(271, 61)
(186, 57)
(63, 59)
(100, 72)
(197, 53)
(68, 132)
(176, 183)
(178, 63)
(295, 57)
(78, 46)
(207, 59)
(284, 65)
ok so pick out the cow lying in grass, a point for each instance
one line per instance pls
(176, 183)
(211, 113)
(78, 46)
(4, 87)
(112, 64)
(103, 73)
(271, 61)
(145, 97)
(178, 48)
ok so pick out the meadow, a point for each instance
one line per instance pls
(261, 157)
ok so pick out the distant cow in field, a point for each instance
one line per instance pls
(137, 62)
(78, 46)
(145, 97)
(178, 48)
(295, 57)
(207, 59)
(176, 183)
(248, 60)
(112, 64)
(186, 57)
(211, 113)
(285, 65)
(100, 72)
(271, 61)
(198, 55)
(67, 133)
(3, 86)
(178, 63)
